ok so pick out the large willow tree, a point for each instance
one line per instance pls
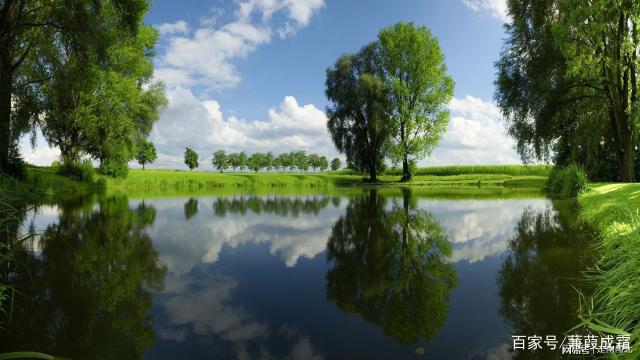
(567, 83)
(57, 58)
(360, 110)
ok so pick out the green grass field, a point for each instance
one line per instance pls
(197, 180)
(614, 210)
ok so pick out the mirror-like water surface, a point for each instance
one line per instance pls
(371, 275)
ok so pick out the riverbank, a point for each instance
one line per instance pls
(194, 180)
(614, 211)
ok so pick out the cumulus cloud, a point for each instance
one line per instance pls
(178, 27)
(476, 135)
(496, 8)
(200, 124)
(206, 57)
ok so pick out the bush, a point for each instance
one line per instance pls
(567, 182)
(83, 171)
(114, 168)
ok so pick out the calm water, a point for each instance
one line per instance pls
(368, 275)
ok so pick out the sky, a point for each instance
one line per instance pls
(249, 74)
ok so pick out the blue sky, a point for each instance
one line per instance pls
(249, 74)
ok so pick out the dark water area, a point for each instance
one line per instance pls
(371, 275)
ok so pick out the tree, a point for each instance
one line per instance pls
(323, 164)
(256, 161)
(300, 160)
(191, 158)
(419, 91)
(43, 42)
(314, 161)
(242, 160)
(360, 111)
(146, 153)
(237, 160)
(335, 164)
(283, 160)
(220, 160)
(269, 161)
(567, 83)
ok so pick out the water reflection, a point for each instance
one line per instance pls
(278, 205)
(190, 208)
(538, 279)
(245, 277)
(391, 266)
(86, 291)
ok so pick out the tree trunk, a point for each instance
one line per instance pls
(373, 176)
(406, 172)
(6, 82)
(142, 166)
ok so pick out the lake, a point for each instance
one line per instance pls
(373, 274)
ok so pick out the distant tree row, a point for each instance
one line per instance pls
(258, 161)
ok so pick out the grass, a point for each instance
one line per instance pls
(195, 181)
(614, 210)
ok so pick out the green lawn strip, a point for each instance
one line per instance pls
(613, 210)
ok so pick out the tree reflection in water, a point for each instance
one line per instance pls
(278, 205)
(391, 266)
(542, 271)
(86, 286)
(190, 208)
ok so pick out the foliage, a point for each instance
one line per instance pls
(146, 153)
(336, 164)
(567, 83)
(191, 158)
(220, 160)
(567, 182)
(360, 110)
(83, 171)
(419, 91)
(114, 166)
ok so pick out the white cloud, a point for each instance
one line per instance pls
(201, 125)
(476, 135)
(496, 8)
(207, 56)
(178, 27)
(41, 154)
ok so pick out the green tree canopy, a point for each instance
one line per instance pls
(220, 160)
(360, 109)
(419, 91)
(191, 158)
(567, 83)
(336, 164)
(146, 153)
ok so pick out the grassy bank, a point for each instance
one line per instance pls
(614, 210)
(194, 180)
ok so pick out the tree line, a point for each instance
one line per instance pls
(568, 84)
(82, 73)
(259, 161)
(389, 100)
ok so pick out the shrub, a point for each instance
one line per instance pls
(83, 171)
(114, 168)
(567, 182)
